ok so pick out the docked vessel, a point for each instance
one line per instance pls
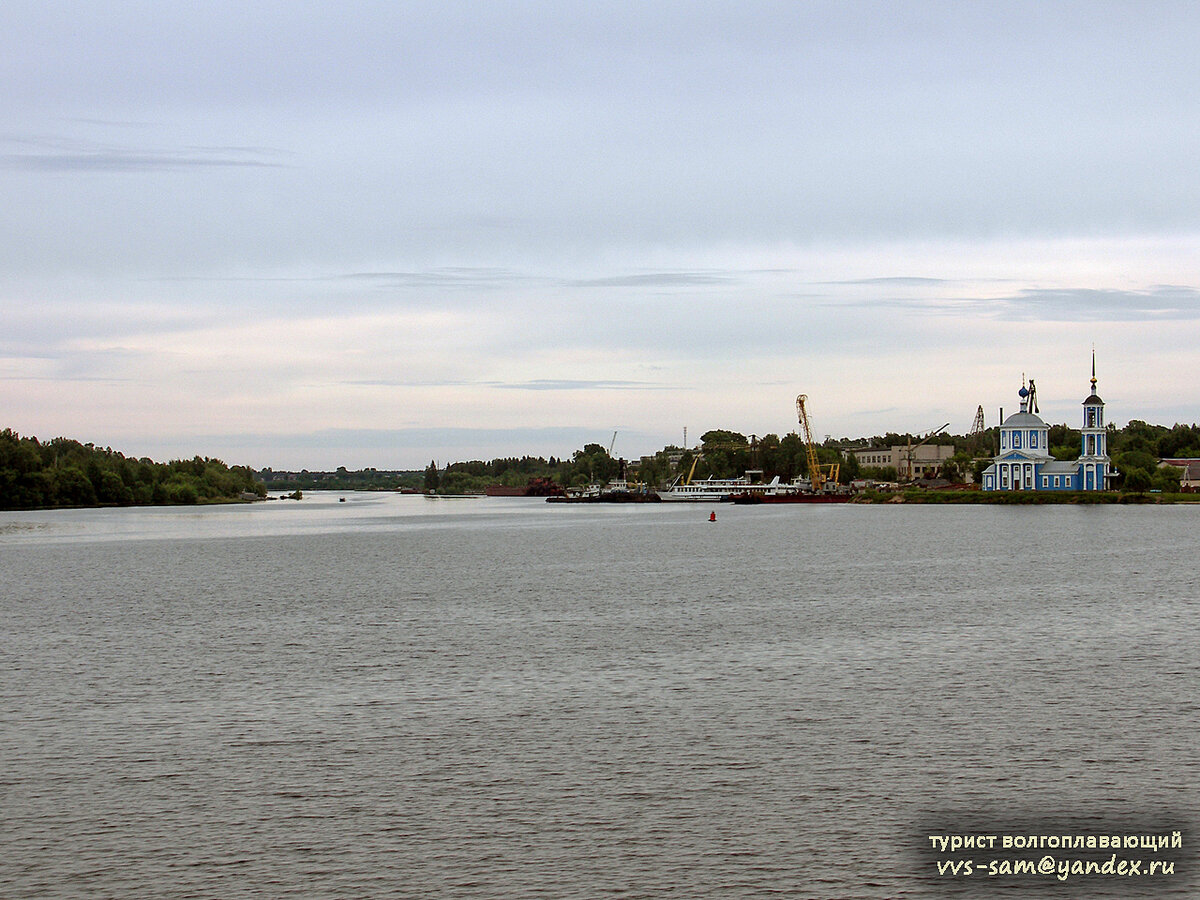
(790, 497)
(537, 486)
(718, 489)
(616, 491)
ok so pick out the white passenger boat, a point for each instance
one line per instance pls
(717, 489)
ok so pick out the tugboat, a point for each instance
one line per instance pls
(538, 486)
(616, 491)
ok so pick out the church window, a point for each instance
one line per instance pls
(1016, 440)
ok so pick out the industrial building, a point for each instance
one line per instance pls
(926, 459)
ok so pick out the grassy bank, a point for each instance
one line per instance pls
(1022, 498)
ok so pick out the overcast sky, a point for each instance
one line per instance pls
(316, 234)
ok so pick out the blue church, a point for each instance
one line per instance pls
(1024, 462)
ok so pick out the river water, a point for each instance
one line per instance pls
(395, 696)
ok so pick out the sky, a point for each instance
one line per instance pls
(375, 234)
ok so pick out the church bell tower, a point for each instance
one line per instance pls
(1093, 456)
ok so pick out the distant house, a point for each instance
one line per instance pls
(1190, 479)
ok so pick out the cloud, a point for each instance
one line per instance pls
(898, 280)
(505, 215)
(657, 279)
(1065, 304)
(541, 384)
(1097, 305)
(448, 277)
(549, 384)
(58, 154)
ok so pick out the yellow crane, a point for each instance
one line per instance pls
(819, 475)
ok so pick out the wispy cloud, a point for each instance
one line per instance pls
(461, 443)
(895, 280)
(1090, 305)
(542, 384)
(450, 276)
(656, 279)
(550, 384)
(56, 154)
(1158, 303)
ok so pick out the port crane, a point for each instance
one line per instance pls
(977, 427)
(819, 475)
(911, 448)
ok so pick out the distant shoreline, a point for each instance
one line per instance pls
(1025, 498)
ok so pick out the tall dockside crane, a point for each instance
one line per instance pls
(977, 427)
(819, 475)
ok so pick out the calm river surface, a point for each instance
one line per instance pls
(502, 698)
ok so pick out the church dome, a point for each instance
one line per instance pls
(1024, 420)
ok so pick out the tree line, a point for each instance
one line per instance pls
(1135, 451)
(721, 454)
(342, 479)
(63, 472)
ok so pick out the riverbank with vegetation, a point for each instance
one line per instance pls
(1023, 498)
(342, 480)
(1135, 451)
(65, 473)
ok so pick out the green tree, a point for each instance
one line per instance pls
(593, 464)
(72, 488)
(958, 466)
(111, 489)
(1181, 442)
(724, 438)
(1137, 481)
(978, 467)
(183, 492)
(1135, 459)
(793, 457)
(459, 482)
(1166, 479)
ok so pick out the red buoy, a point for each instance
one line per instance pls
(712, 517)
